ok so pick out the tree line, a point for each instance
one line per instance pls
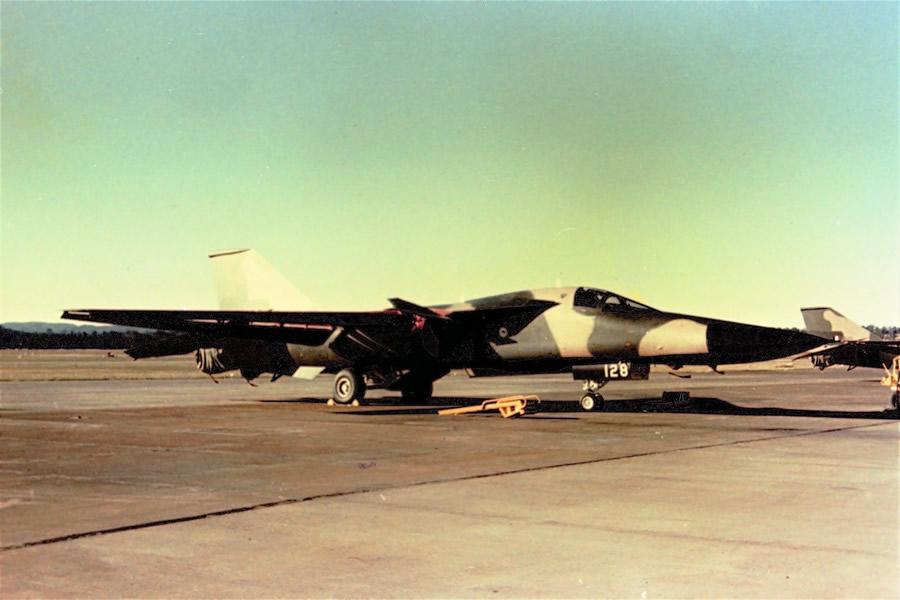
(48, 340)
(886, 333)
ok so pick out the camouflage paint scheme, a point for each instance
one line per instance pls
(265, 327)
(830, 324)
(619, 329)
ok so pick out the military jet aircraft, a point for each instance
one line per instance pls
(849, 344)
(597, 335)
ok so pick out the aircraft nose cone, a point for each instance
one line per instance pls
(736, 342)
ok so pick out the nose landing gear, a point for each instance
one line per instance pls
(592, 400)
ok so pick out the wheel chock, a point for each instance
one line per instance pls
(331, 402)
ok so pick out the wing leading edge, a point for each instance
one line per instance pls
(308, 328)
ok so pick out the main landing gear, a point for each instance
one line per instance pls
(349, 387)
(592, 400)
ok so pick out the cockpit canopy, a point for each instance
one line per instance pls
(595, 299)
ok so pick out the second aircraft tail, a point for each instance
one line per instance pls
(829, 323)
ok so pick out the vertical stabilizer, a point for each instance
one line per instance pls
(829, 323)
(246, 281)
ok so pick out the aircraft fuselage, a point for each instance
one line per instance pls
(573, 331)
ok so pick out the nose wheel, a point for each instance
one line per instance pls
(591, 402)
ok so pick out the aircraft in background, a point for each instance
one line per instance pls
(265, 326)
(851, 344)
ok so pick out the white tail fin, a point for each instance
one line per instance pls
(829, 323)
(246, 281)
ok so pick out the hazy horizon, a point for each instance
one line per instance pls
(733, 160)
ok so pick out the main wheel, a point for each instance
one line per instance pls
(417, 392)
(895, 401)
(349, 386)
(591, 402)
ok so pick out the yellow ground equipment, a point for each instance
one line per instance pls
(509, 406)
(891, 379)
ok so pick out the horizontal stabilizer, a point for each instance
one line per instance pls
(818, 350)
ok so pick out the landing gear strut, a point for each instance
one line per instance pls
(349, 387)
(592, 400)
(891, 379)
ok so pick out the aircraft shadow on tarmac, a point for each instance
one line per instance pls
(717, 406)
(694, 405)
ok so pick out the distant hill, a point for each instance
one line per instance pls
(39, 327)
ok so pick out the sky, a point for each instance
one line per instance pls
(734, 160)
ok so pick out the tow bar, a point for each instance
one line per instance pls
(508, 406)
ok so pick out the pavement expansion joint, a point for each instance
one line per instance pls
(376, 488)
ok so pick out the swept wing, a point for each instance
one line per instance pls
(309, 328)
(359, 331)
